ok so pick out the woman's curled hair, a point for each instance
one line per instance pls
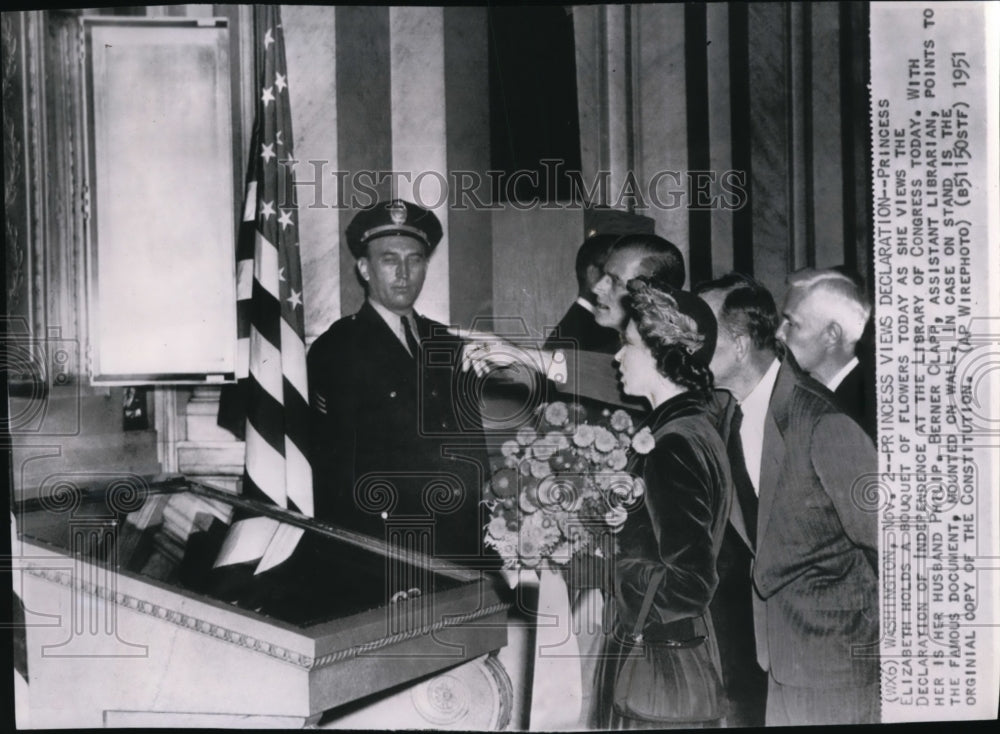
(672, 337)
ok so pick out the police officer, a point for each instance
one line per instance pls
(397, 437)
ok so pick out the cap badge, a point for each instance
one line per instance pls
(397, 212)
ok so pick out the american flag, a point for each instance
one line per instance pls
(269, 406)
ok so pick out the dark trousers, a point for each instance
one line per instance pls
(732, 615)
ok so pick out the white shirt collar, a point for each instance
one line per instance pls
(760, 396)
(394, 321)
(838, 378)
(754, 408)
(584, 303)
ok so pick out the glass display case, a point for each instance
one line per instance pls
(167, 596)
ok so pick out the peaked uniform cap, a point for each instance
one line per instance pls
(393, 217)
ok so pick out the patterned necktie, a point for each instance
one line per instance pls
(741, 477)
(411, 341)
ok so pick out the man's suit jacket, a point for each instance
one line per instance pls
(856, 396)
(816, 589)
(578, 326)
(391, 437)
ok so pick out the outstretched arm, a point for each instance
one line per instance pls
(572, 371)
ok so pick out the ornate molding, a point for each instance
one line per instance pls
(66, 176)
(249, 642)
(505, 688)
(373, 645)
(33, 79)
(43, 170)
(13, 173)
(172, 616)
(454, 699)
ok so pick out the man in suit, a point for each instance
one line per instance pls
(394, 437)
(578, 325)
(594, 376)
(822, 321)
(579, 372)
(815, 542)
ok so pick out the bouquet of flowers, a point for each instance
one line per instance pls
(562, 486)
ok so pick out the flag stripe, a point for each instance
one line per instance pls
(293, 361)
(265, 314)
(265, 466)
(251, 490)
(269, 404)
(265, 267)
(298, 478)
(244, 248)
(250, 207)
(242, 358)
(266, 415)
(244, 280)
(265, 366)
(296, 417)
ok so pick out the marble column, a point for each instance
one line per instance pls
(467, 119)
(364, 126)
(599, 31)
(661, 132)
(419, 143)
(799, 62)
(767, 32)
(720, 129)
(826, 134)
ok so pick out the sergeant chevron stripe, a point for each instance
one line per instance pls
(268, 406)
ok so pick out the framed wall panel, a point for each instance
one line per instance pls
(160, 265)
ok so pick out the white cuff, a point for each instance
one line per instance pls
(557, 370)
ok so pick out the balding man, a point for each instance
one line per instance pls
(822, 320)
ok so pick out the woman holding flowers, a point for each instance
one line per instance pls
(660, 665)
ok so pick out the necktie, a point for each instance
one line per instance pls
(741, 477)
(411, 341)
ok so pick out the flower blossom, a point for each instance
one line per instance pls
(498, 528)
(643, 441)
(539, 469)
(510, 448)
(556, 413)
(526, 435)
(617, 459)
(543, 450)
(615, 517)
(504, 483)
(584, 435)
(604, 440)
(557, 439)
(620, 420)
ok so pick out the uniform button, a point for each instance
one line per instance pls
(434, 393)
(392, 394)
(444, 424)
(385, 515)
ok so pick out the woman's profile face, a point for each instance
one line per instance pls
(636, 365)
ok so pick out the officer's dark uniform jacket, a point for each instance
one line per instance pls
(391, 441)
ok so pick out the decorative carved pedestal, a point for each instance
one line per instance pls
(475, 696)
